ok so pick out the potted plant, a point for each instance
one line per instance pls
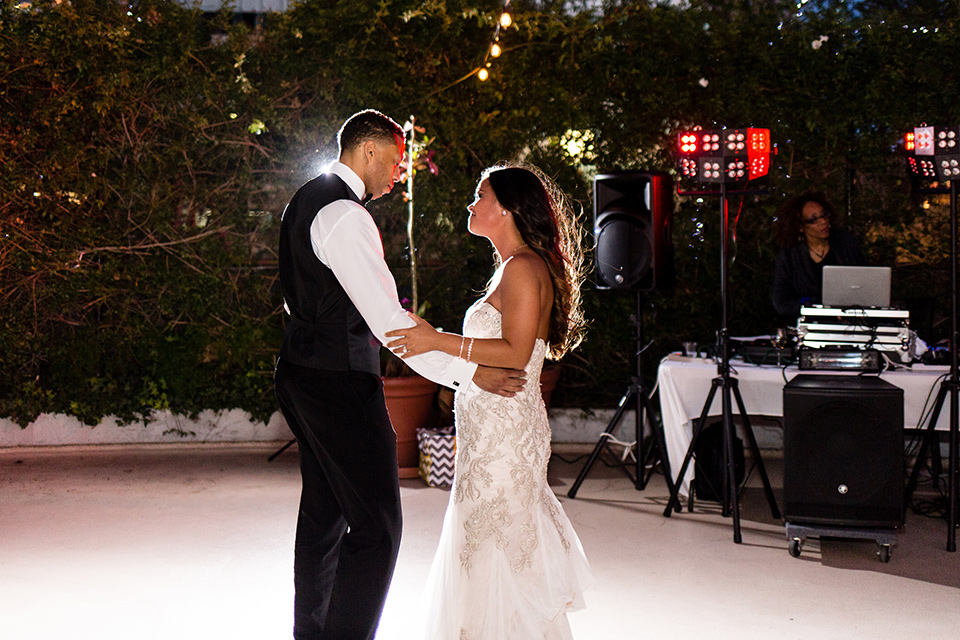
(409, 396)
(409, 401)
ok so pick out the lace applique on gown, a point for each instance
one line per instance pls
(509, 564)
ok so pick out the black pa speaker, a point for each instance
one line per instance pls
(631, 222)
(843, 458)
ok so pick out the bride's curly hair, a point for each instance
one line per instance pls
(551, 227)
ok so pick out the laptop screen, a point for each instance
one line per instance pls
(856, 286)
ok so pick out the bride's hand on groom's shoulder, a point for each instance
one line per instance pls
(503, 382)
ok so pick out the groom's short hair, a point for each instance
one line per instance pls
(368, 125)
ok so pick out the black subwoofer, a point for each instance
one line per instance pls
(843, 454)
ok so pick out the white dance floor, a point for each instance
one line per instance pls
(183, 542)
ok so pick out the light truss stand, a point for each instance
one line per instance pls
(729, 390)
(951, 386)
(638, 397)
(276, 453)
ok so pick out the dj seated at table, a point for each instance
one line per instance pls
(810, 237)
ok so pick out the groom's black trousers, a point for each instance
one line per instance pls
(348, 530)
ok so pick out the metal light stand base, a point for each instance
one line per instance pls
(949, 386)
(637, 396)
(276, 453)
(729, 391)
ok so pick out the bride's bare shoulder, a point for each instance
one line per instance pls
(525, 265)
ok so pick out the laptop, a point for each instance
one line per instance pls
(856, 286)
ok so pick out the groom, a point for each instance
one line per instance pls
(342, 299)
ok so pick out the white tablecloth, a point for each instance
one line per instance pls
(685, 382)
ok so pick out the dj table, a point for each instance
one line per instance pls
(684, 384)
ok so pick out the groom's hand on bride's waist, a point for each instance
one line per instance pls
(504, 382)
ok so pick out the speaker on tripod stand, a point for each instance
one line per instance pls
(634, 252)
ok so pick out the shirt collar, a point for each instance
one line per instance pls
(352, 179)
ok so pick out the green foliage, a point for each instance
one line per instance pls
(149, 150)
(131, 250)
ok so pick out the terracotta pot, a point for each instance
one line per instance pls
(409, 401)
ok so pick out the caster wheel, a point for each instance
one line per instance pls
(795, 546)
(884, 553)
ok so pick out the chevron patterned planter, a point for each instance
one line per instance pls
(438, 448)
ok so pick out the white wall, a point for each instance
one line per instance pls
(244, 6)
(568, 425)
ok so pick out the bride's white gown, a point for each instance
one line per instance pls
(509, 565)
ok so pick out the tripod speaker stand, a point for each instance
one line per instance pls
(729, 391)
(951, 386)
(639, 397)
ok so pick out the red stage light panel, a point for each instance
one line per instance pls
(759, 166)
(910, 141)
(758, 152)
(710, 141)
(735, 169)
(945, 140)
(689, 143)
(734, 142)
(758, 140)
(710, 170)
(724, 155)
(699, 142)
(923, 168)
(934, 152)
(688, 167)
(923, 141)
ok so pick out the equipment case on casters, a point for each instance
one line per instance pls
(843, 461)
(797, 534)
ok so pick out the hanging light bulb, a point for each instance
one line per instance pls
(483, 74)
(495, 50)
(505, 19)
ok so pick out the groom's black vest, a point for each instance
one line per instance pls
(325, 330)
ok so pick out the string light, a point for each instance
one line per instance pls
(495, 49)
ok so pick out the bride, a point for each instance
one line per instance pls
(509, 565)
